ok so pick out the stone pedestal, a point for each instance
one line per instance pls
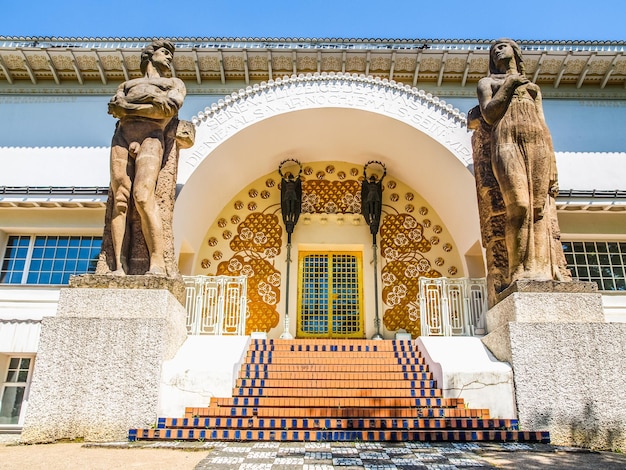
(569, 365)
(98, 368)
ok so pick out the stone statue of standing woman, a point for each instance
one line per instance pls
(524, 165)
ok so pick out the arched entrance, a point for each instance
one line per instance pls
(337, 121)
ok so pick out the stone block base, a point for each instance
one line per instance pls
(570, 380)
(568, 363)
(98, 368)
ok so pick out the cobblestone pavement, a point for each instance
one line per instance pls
(406, 455)
(313, 456)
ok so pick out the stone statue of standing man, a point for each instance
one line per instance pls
(144, 158)
(519, 146)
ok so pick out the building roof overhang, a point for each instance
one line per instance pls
(29, 197)
(45, 64)
(52, 197)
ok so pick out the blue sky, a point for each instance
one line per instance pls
(394, 19)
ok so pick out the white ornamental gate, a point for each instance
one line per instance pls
(452, 307)
(216, 305)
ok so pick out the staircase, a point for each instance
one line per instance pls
(336, 390)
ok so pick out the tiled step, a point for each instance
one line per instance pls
(374, 392)
(363, 368)
(334, 359)
(313, 436)
(321, 390)
(328, 402)
(340, 423)
(321, 374)
(324, 382)
(424, 408)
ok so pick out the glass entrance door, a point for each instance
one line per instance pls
(330, 295)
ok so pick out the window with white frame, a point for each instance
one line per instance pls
(602, 262)
(14, 390)
(48, 259)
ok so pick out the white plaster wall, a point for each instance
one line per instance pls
(591, 170)
(70, 120)
(464, 368)
(54, 166)
(28, 302)
(614, 306)
(204, 367)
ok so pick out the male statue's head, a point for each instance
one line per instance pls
(517, 55)
(151, 49)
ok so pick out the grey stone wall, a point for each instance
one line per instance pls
(570, 378)
(569, 366)
(98, 368)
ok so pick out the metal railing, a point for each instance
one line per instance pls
(452, 307)
(216, 305)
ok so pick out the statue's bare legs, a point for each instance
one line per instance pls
(147, 166)
(136, 168)
(120, 186)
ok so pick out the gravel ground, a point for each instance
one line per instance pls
(76, 456)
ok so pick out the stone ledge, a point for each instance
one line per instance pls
(548, 307)
(175, 285)
(573, 287)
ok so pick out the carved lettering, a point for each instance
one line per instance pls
(418, 111)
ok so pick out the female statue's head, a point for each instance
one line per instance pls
(496, 51)
(148, 51)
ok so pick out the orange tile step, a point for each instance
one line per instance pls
(322, 436)
(347, 412)
(351, 375)
(329, 383)
(337, 423)
(329, 402)
(334, 359)
(336, 392)
(405, 368)
(336, 344)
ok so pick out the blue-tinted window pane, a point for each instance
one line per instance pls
(19, 265)
(52, 260)
(599, 262)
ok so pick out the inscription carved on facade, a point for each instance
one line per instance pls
(256, 103)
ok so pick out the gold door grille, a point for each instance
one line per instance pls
(330, 295)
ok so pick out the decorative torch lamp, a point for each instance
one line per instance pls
(371, 208)
(290, 206)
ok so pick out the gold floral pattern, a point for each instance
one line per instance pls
(255, 240)
(330, 197)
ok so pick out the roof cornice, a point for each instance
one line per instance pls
(55, 41)
(50, 65)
